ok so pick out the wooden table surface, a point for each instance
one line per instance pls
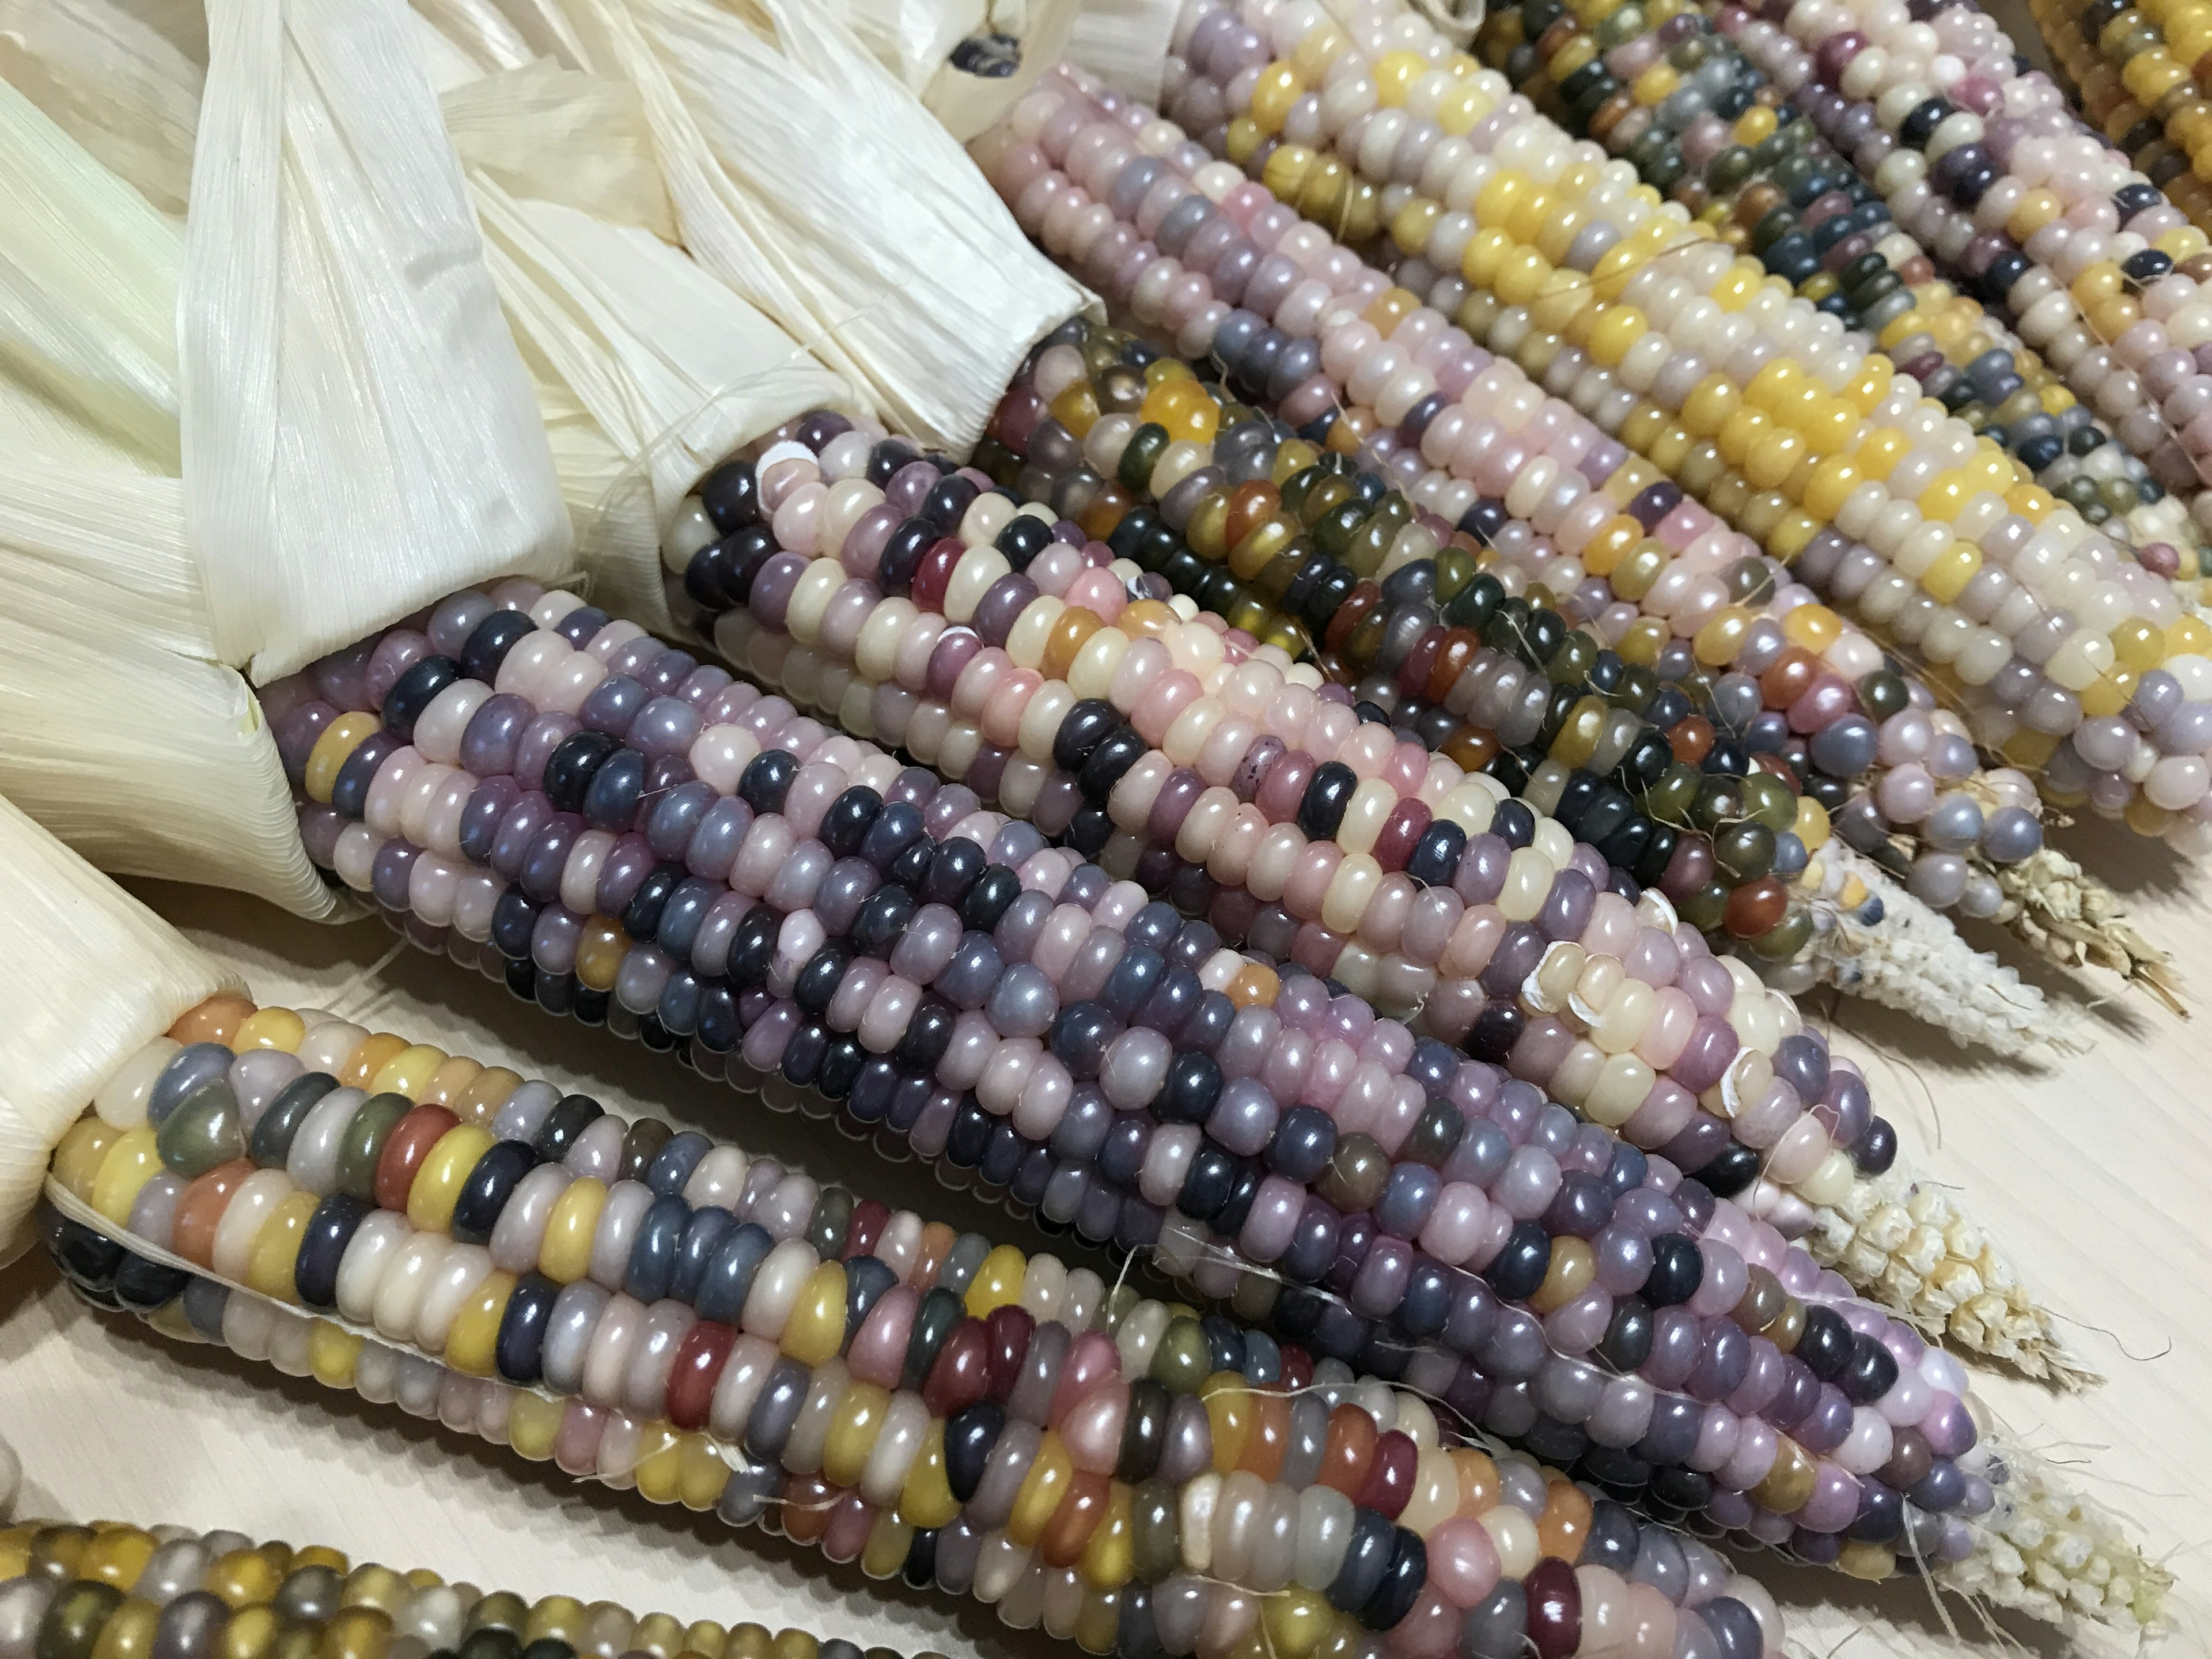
(2091, 1171)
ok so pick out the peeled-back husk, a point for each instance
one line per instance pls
(112, 80)
(122, 738)
(480, 30)
(91, 976)
(120, 729)
(674, 370)
(620, 334)
(543, 132)
(914, 41)
(812, 183)
(182, 23)
(647, 369)
(1125, 43)
(88, 289)
(971, 105)
(119, 639)
(359, 436)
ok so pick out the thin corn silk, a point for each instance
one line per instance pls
(1125, 43)
(110, 977)
(358, 431)
(113, 82)
(926, 304)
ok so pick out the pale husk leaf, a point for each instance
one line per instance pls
(813, 183)
(446, 64)
(911, 38)
(971, 105)
(98, 720)
(546, 29)
(88, 287)
(96, 976)
(111, 697)
(648, 370)
(113, 82)
(182, 23)
(1125, 44)
(914, 40)
(480, 30)
(359, 436)
(556, 134)
(672, 368)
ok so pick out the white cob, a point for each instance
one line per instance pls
(1909, 958)
(1903, 1244)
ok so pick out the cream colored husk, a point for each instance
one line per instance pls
(121, 728)
(91, 976)
(359, 436)
(812, 182)
(1125, 43)
(647, 369)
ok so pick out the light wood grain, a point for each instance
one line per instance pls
(2091, 1173)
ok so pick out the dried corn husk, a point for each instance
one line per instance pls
(182, 23)
(112, 82)
(674, 370)
(913, 37)
(92, 976)
(812, 183)
(110, 703)
(1125, 43)
(112, 694)
(359, 436)
(445, 64)
(547, 133)
(970, 104)
(543, 26)
(88, 289)
(914, 40)
(337, 419)
(114, 688)
(648, 370)
(481, 30)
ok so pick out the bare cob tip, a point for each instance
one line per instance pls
(1906, 1243)
(2053, 1552)
(1901, 954)
(2071, 920)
